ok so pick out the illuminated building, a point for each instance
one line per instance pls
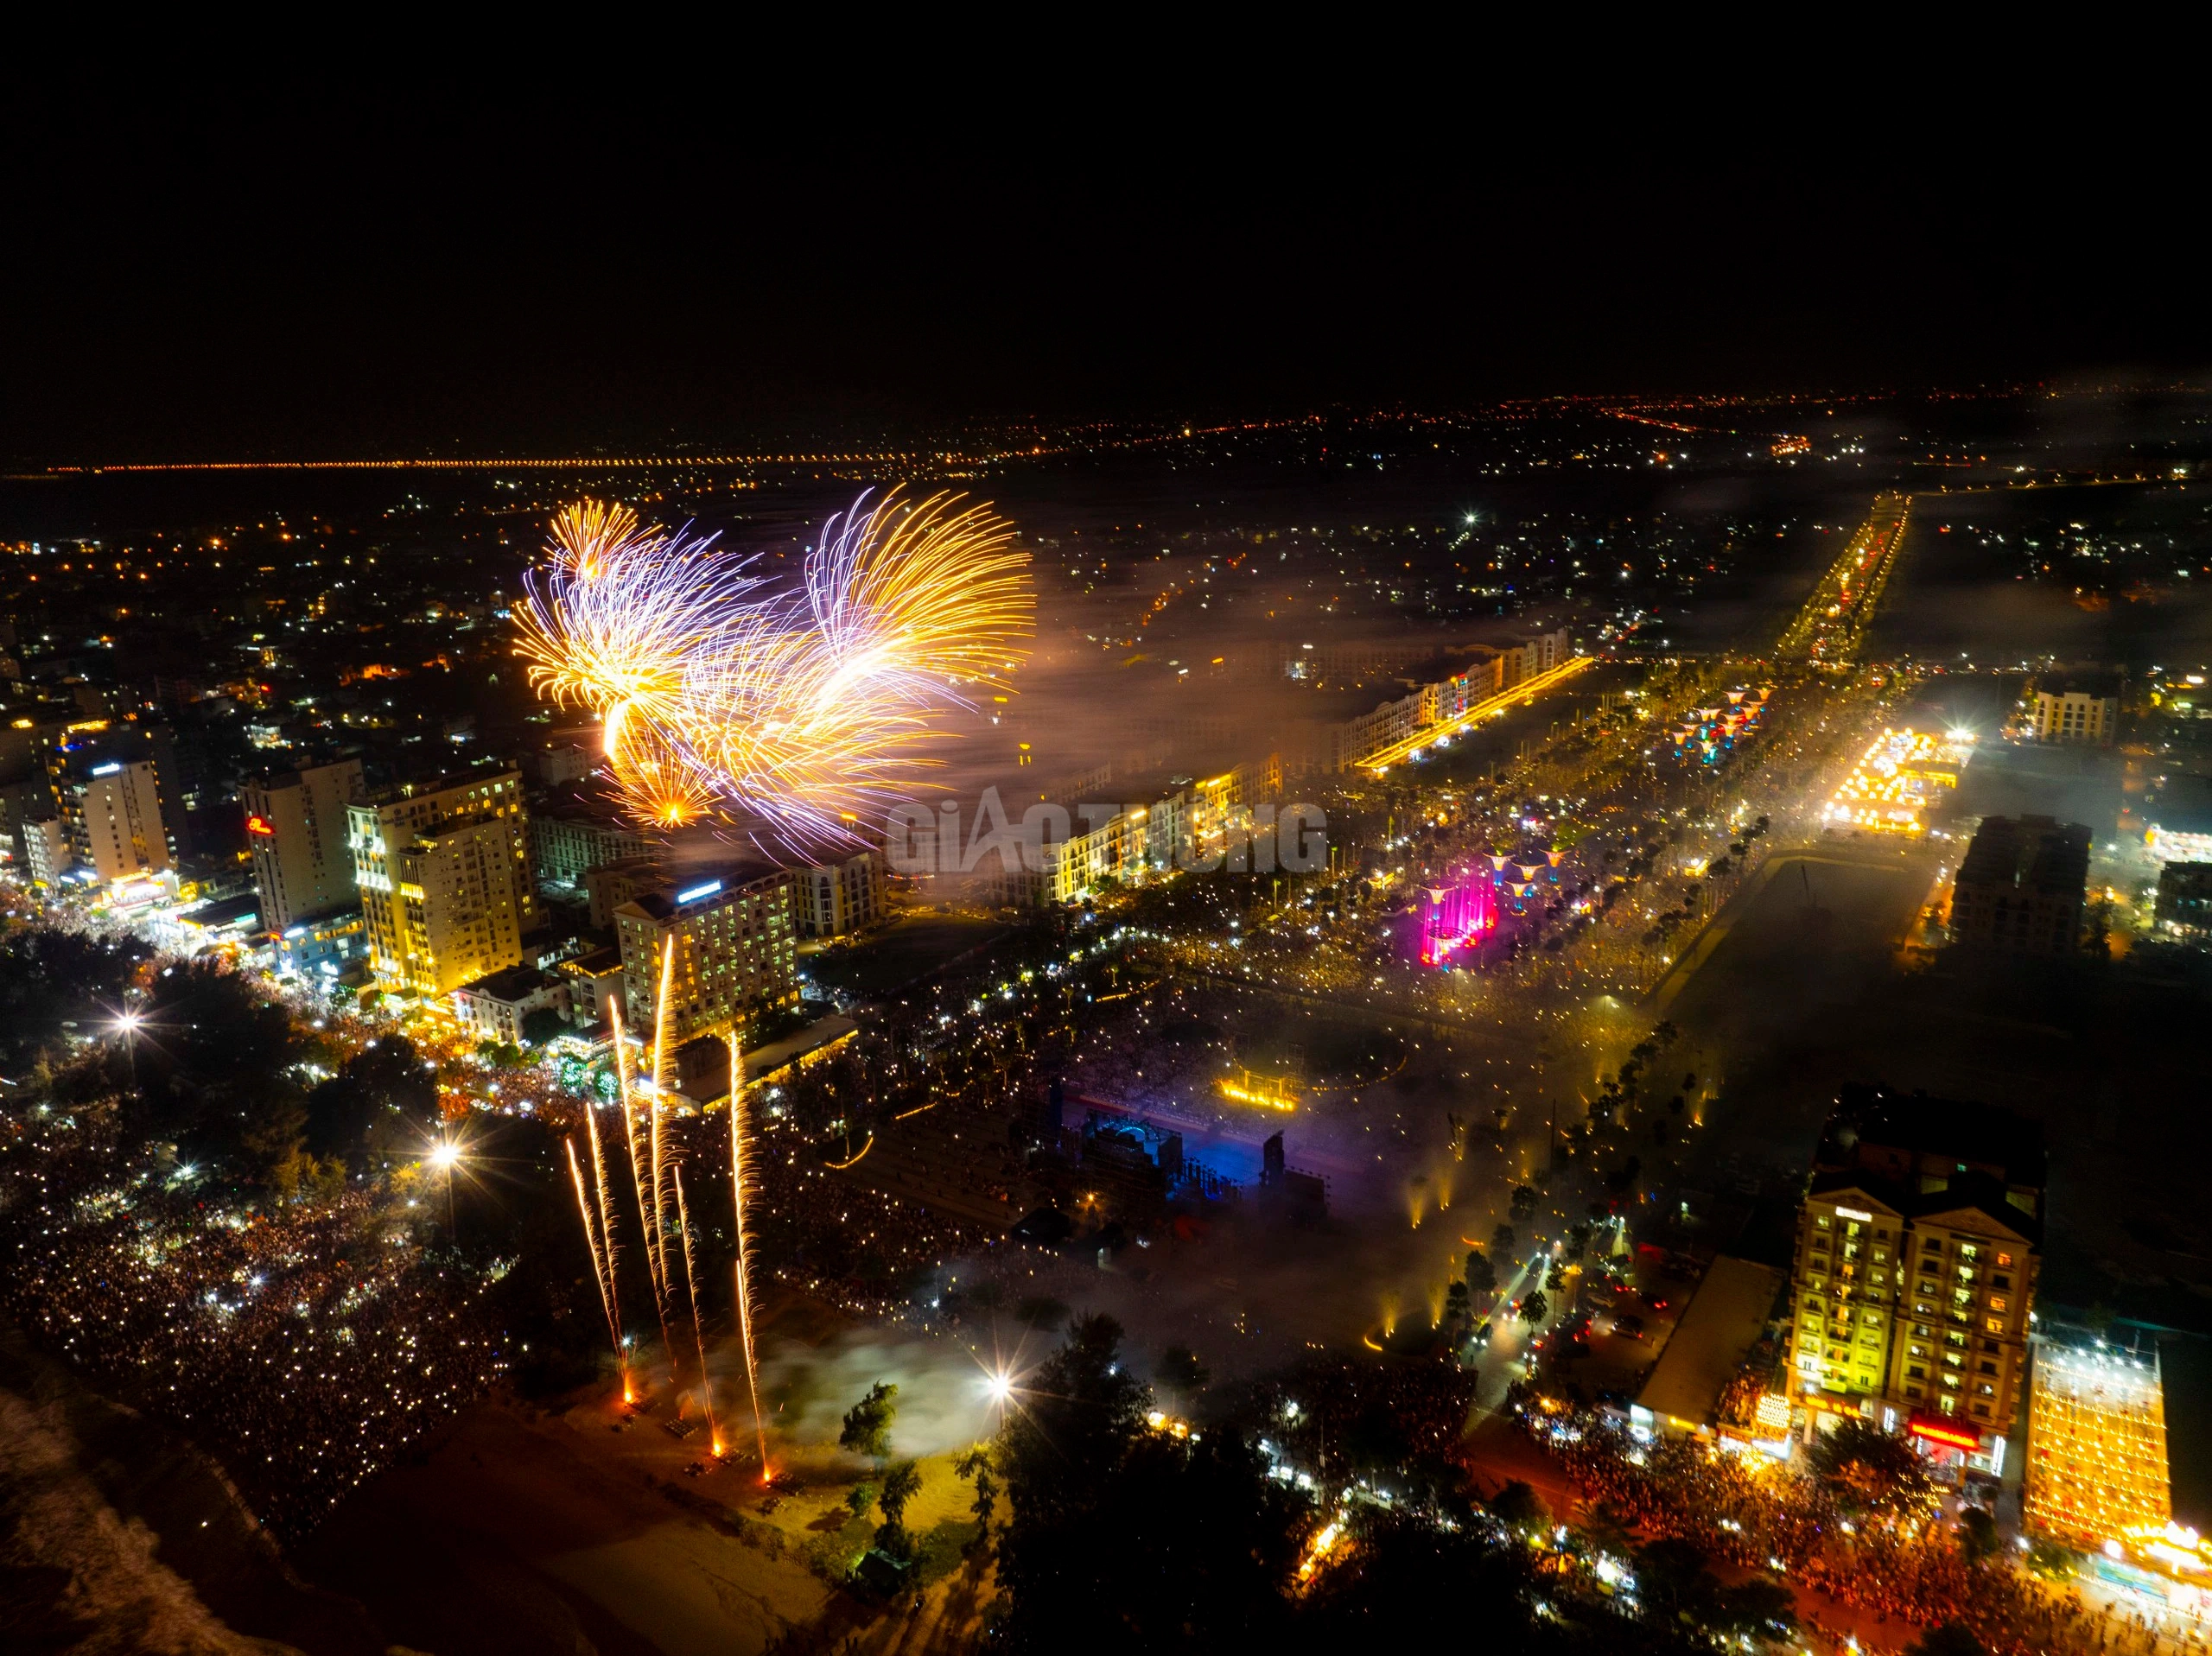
(1531, 658)
(594, 982)
(838, 898)
(2070, 714)
(613, 883)
(2020, 888)
(1918, 1247)
(112, 810)
(2185, 898)
(2096, 1445)
(443, 870)
(735, 936)
(495, 1007)
(295, 830)
(1896, 781)
(46, 851)
(322, 949)
(571, 838)
(2178, 818)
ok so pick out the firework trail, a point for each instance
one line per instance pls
(787, 712)
(698, 1331)
(599, 1268)
(607, 1233)
(648, 1218)
(741, 1185)
(660, 1090)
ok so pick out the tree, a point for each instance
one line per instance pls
(1759, 1608)
(1672, 1575)
(1482, 1275)
(868, 1423)
(1119, 1538)
(1519, 1507)
(1977, 1534)
(1534, 1308)
(1501, 1239)
(1179, 1367)
(976, 1464)
(860, 1498)
(1868, 1471)
(1608, 1529)
(901, 1484)
(542, 1026)
(1524, 1201)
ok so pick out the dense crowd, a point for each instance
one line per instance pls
(1905, 1567)
(307, 1346)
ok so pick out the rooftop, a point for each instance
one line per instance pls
(2038, 854)
(1724, 1320)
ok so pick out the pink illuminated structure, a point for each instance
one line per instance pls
(1453, 917)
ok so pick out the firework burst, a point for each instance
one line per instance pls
(787, 712)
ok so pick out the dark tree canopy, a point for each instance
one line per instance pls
(1122, 1538)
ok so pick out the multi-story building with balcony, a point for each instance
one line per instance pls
(727, 942)
(111, 809)
(837, 898)
(2071, 713)
(444, 875)
(1917, 1252)
(295, 830)
(2021, 886)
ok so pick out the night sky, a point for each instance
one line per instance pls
(351, 280)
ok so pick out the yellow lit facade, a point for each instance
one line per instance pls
(2096, 1446)
(445, 881)
(735, 943)
(1896, 781)
(1916, 1318)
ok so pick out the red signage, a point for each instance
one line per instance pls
(1942, 1432)
(255, 825)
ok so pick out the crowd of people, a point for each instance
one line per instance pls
(307, 1345)
(1907, 1567)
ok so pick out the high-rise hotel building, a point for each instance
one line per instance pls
(733, 938)
(295, 828)
(444, 873)
(1919, 1247)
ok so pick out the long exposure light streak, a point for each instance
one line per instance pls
(698, 1328)
(741, 1185)
(606, 1240)
(784, 710)
(599, 1267)
(648, 1212)
(656, 1142)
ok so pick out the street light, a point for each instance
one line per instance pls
(127, 1023)
(445, 1154)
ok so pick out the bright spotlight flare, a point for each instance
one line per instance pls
(788, 711)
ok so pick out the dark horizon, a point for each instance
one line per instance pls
(367, 284)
